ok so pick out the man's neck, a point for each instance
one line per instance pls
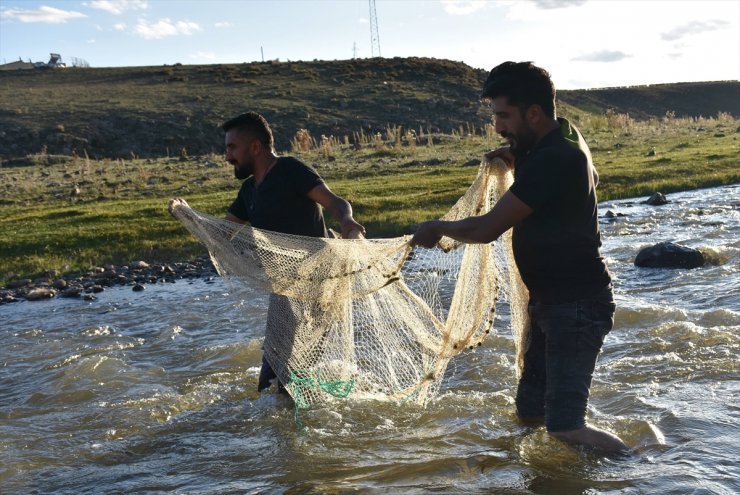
(264, 165)
(549, 126)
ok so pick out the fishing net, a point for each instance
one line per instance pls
(371, 318)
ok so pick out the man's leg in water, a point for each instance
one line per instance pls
(574, 333)
(278, 342)
(530, 393)
(266, 376)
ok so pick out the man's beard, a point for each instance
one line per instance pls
(521, 142)
(241, 173)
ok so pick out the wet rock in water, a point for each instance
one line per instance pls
(669, 255)
(138, 288)
(40, 293)
(73, 291)
(90, 297)
(611, 215)
(7, 297)
(657, 199)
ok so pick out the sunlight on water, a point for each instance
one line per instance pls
(156, 391)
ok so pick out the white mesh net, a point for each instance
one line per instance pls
(371, 318)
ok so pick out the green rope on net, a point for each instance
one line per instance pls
(303, 382)
(337, 388)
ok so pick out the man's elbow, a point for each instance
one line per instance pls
(341, 209)
(233, 218)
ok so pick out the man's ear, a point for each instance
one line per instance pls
(534, 114)
(255, 147)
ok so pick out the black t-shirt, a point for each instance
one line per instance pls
(279, 203)
(556, 248)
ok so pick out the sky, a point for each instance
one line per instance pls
(582, 43)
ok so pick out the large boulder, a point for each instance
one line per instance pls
(669, 255)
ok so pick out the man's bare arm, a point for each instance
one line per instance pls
(339, 208)
(507, 212)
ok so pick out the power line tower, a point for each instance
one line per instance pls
(374, 38)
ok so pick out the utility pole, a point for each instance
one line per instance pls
(354, 49)
(374, 37)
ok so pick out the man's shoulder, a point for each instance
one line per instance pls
(555, 150)
(291, 165)
(291, 162)
(562, 148)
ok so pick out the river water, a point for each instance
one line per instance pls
(154, 391)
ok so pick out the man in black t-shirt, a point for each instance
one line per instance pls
(551, 207)
(281, 194)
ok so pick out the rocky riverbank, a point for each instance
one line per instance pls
(137, 275)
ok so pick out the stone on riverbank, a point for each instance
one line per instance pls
(95, 280)
(40, 293)
(17, 284)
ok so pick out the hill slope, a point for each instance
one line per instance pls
(704, 99)
(161, 111)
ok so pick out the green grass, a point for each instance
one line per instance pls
(120, 214)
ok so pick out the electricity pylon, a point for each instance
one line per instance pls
(374, 38)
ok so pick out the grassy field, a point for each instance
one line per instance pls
(70, 213)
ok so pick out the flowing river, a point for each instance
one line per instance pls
(154, 391)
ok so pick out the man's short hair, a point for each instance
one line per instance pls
(523, 84)
(253, 124)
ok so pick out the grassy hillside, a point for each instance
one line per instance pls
(705, 99)
(159, 111)
(174, 110)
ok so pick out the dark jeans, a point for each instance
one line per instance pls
(565, 341)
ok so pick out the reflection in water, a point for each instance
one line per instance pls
(155, 391)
